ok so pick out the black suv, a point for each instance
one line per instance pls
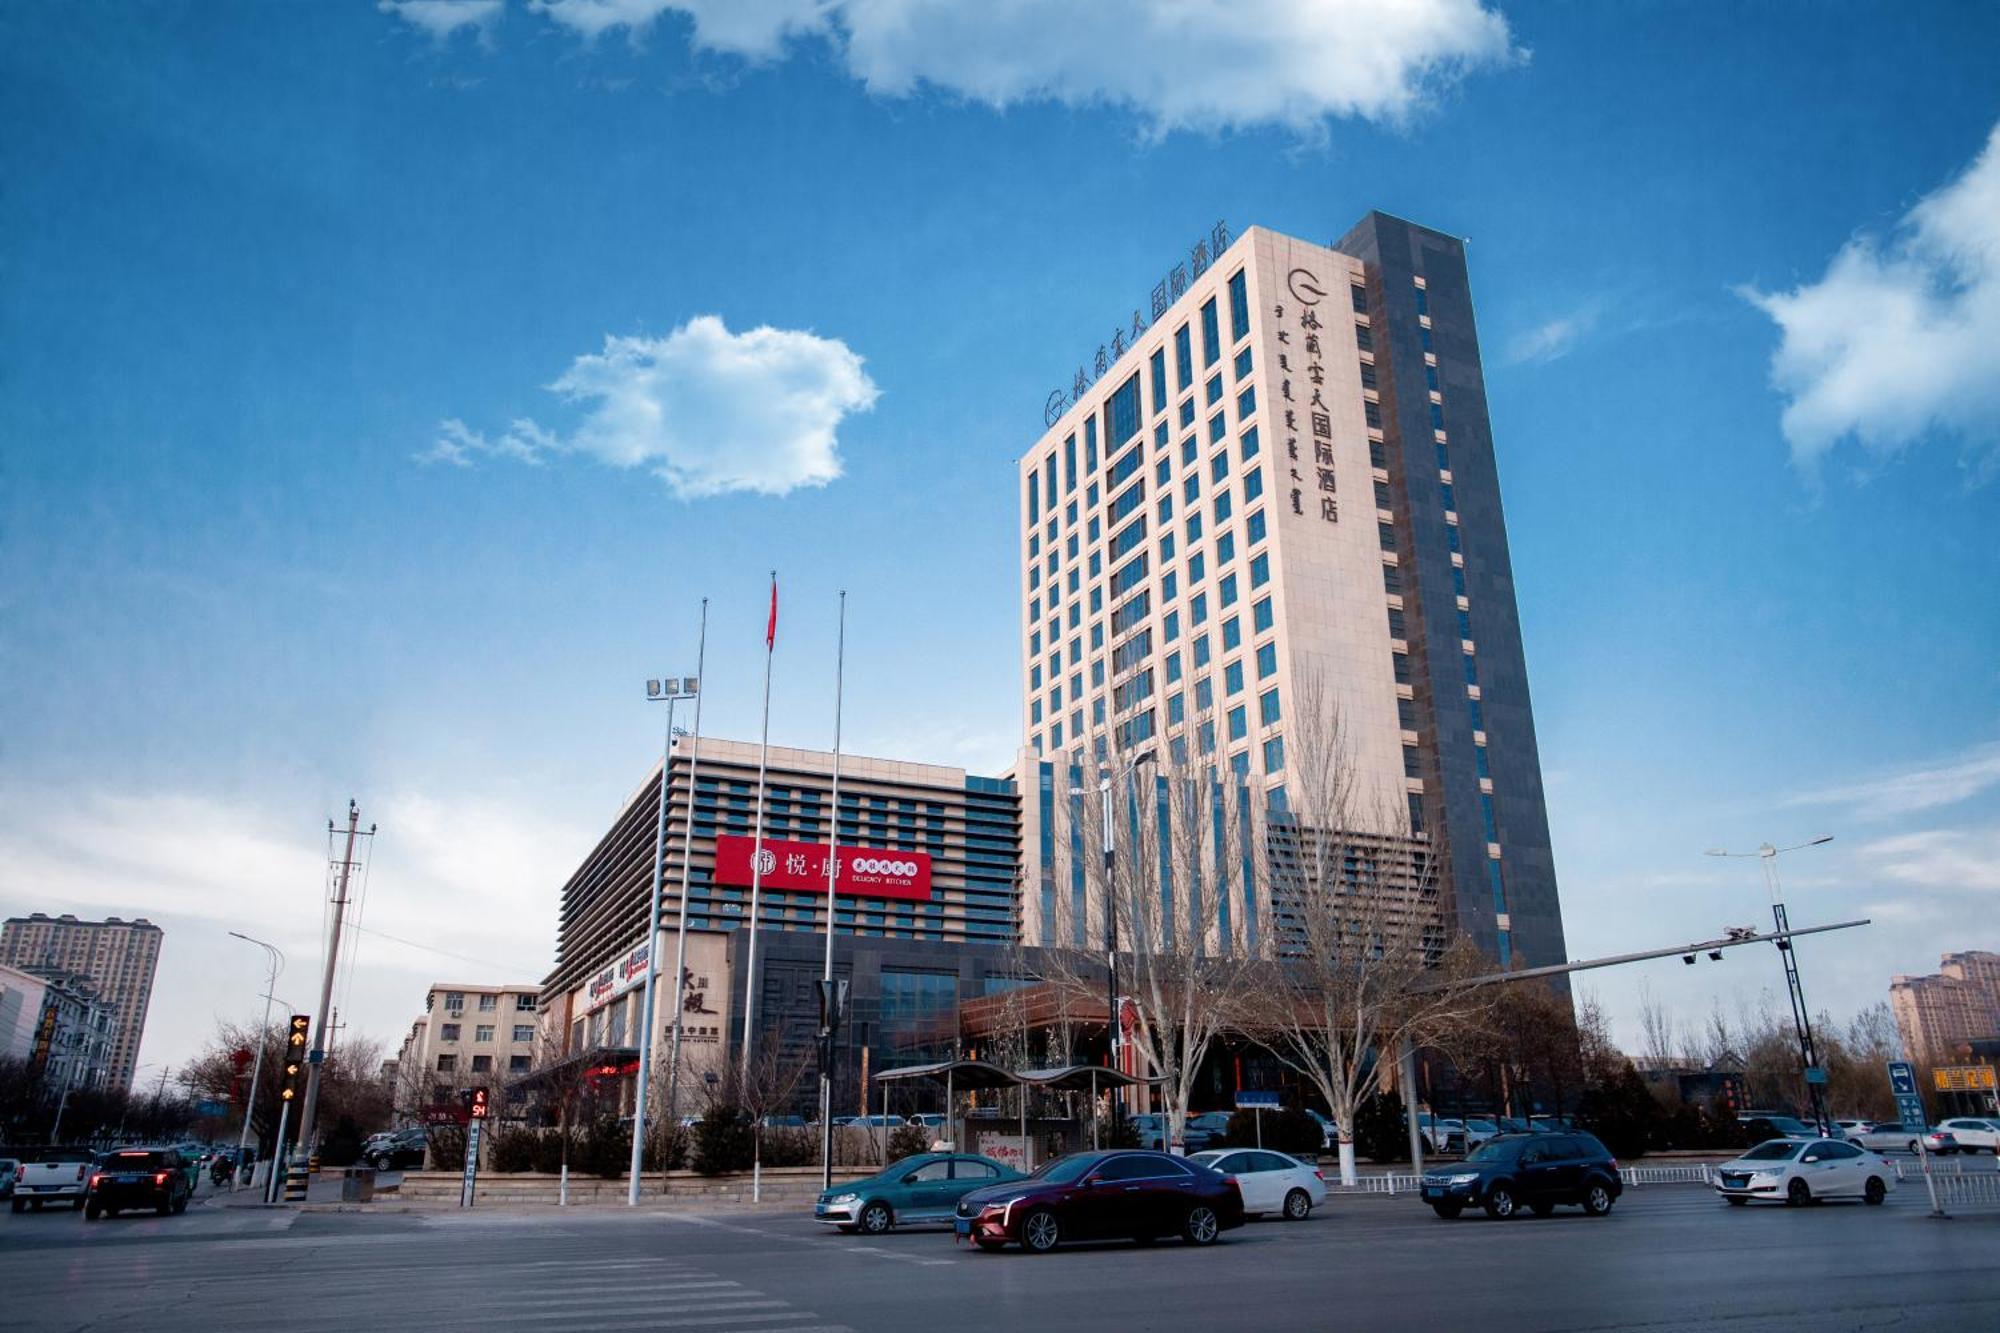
(403, 1152)
(1513, 1171)
(155, 1178)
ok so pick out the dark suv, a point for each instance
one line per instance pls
(403, 1152)
(1510, 1172)
(155, 1178)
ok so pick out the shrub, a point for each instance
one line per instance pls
(549, 1152)
(342, 1146)
(723, 1141)
(605, 1149)
(447, 1144)
(908, 1141)
(516, 1150)
(790, 1147)
(1623, 1112)
(1290, 1130)
(666, 1147)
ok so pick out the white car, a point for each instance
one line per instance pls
(1271, 1182)
(1974, 1134)
(1803, 1171)
(1851, 1129)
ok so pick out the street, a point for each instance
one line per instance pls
(1667, 1257)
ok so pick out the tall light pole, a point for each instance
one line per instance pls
(1112, 1026)
(276, 957)
(687, 859)
(672, 691)
(1767, 856)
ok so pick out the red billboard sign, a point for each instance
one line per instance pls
(801, 867)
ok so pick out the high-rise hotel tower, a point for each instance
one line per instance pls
(1283, 491)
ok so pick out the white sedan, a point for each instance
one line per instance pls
(1803, 1171)
(1271, 1182)
(1973, 1134)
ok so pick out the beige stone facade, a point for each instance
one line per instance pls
(469, 1036)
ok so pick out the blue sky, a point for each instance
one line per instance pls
(381, 388)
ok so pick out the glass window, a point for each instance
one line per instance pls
(1260, 614)
(1218, 466)
(1214, 389)
(1206, 733)
(1246, 403)
(1183, 358)
(1248, 443)
(1359, 296)
(1239, 307)
(1267, 707)
(1069, 468)
(1191, 489)
(1197, 565)
(1124, 412)
(1171, 626)
(1226, 591)
(1267, 661)
(1232, 634)
(1232, 678)
(1274, 755)
(1239, 765)
(1201, 650)
(1204, 695)
(1176, 709)
(1242, 363)
(1223, 506)
(1362, 339)
(1254, 526)
(1260, 569)
(1173, 667)
(1169, 586)
(1211, 334)
(1159, 369)
(1090, 446)
(1239, 723)
(1198, 610)
(1225, 547)
(1253, 484)
(1194, 526)
(1423, 301)
(1187, 412)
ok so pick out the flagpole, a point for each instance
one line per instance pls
(832, 1016)
(687, 859)
(757, 842)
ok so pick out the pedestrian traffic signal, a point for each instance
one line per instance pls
(478, 1105)
(292, 1068)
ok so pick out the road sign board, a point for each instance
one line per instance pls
(1256, 1101)
(1815, 1074)
(1902, 1078)
(471, 1180)
(1910, 1112)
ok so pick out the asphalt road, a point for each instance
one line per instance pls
(1667, 1257)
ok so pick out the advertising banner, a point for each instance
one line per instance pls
(801, 867)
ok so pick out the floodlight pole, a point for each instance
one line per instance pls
(673, 691)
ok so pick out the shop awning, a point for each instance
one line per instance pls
(972, 1075)
(600, 1061)
(1082, 1078)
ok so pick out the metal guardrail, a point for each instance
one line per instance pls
(1963, 1188)
(1686, 1173)
(1387, 1183)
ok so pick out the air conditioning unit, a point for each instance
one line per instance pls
(455, 1013)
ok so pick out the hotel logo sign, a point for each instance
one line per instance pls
(867, 872)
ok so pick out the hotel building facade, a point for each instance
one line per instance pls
(1283, 493)
(117, 957)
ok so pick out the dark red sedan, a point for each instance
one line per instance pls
(1140, 1196)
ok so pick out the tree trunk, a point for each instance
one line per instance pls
(1347, 1157)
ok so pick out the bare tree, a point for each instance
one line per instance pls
(1656, 1030)
(1362, 965)
(1179, 895)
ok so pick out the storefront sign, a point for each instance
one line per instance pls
(1009, 1150)
(801, 866)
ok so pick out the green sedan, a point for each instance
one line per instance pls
(923, 1188)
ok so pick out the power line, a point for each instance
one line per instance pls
(431, 948)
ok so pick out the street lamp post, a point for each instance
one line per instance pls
(1767, 856)
(671, 691)
(1112, 1026)
(277, 960)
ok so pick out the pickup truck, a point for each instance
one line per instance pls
(50, 1175)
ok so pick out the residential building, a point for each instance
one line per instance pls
(470, 1036)
(1954, 1006)
(58, 1026)
(1284, 494)
(119, 958)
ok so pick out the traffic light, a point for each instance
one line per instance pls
(478, 1104)
(292, 1068)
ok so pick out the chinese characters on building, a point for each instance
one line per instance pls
(1301, 359)
(1169, 289)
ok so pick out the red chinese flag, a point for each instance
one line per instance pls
(771, 626)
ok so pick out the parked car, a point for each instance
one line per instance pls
(50, 1175)
(1552, 1124)
(923, 1188)
(1103, 1195)
(1973, 1134)
(1328, 1135)
(1848, 1129)
(1207, 1130)
(1888, 1136)
(784, 1122)
(1270, 1182)
(155, 1178)
(883, 1122)
(1761, 1127)
(1478, 1130)
(1801, 1171)
(404, 1151)
(1442, 1135)
(1940, 1141)
(932, 1120)
(1537, 1171)
(1151, 1128)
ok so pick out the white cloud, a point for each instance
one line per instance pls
(756, 29)
(1925, 788)
(1944, 860)
(442, 18)
(1900, 337)
(1196, 64)
(709, 411)
(1188, 64)
(1553, 340)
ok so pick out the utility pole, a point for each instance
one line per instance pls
(316, 1058)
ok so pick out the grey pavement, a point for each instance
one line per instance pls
(1667, 1257)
